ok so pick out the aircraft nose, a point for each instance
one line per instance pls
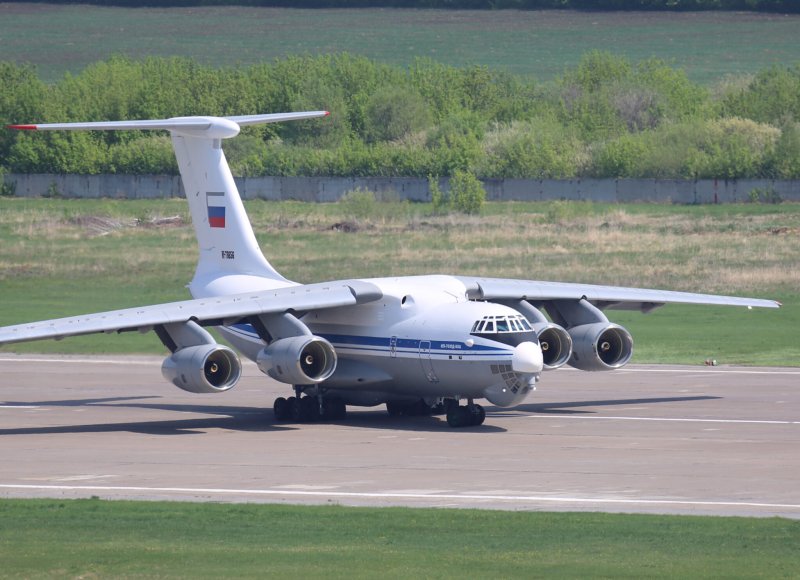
(527, 358)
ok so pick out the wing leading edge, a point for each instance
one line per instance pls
(205, 311)
(614, 297)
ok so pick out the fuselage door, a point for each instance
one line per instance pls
(427, 363)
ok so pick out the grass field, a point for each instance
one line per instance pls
(67, 257)
(91, 538)
(708, 45)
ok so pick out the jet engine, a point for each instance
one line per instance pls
(556, 344)
(205, 368)
(298, 360)
(600, 346)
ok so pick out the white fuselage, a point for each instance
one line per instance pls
(415, 342)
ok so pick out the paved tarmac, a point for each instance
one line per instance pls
(647, 439)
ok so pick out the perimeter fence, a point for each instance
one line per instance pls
(331, 189)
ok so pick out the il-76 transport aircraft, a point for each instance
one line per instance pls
(416, 343)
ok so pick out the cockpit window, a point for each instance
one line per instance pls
(501, 324)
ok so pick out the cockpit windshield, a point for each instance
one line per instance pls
(501, 324)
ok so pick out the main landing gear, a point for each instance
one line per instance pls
(469, 415)
(305, 409)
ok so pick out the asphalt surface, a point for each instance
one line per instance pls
(687, 440)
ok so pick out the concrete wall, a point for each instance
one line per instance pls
(328, 189)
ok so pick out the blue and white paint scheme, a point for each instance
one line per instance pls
(417, 344)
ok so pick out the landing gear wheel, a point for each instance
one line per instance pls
(465, 416)
(299, 410)
(477, 415)
(459, 416)
(311, 410)
(282, 409)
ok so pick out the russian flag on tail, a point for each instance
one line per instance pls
(215, 200)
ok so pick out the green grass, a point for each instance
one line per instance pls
(54, 264)
(708, 45)
(91, 538)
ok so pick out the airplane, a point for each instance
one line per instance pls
(418, 344)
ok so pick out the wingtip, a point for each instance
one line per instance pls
(326, 113)
(22, 127)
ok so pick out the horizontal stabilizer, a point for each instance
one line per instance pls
(208, 127)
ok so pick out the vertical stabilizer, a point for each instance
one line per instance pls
(230, 259)
(225, 239)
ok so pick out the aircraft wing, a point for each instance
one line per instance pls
(204, 311)
(615, 297)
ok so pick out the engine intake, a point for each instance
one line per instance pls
(601, 346)
(298, 360)
(556, 345)
(206, 368)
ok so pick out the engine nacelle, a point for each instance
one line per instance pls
(600, 346)
(556, 345)
(206, 368)
(298, 360)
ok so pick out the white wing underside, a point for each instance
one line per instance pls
(304, 298)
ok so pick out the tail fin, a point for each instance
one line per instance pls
(230, 259)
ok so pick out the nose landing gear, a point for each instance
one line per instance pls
(469, 415)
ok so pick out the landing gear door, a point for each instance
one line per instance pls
(427, 363)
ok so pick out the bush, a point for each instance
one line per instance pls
(394, 112)
(467, 194)
(606, 117)
(531, 149)
(440, 200)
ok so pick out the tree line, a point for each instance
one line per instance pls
(606, 118)
(673, 5)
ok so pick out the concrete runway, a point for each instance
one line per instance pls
(689, 440)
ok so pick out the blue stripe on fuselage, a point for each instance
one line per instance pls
(380, 343)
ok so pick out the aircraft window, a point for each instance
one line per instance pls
(494, 324)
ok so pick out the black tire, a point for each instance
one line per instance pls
(478, 415)
(310, 407)
(458, 416)
(282, 409)
(298, 410)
